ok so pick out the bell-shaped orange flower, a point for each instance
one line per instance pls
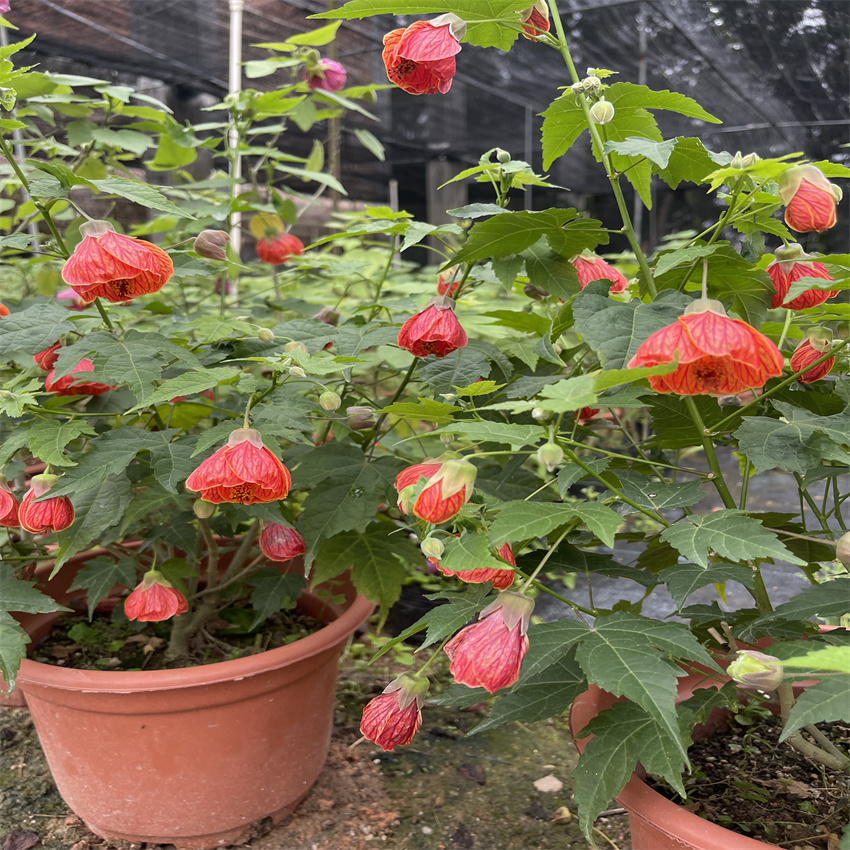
(154, 599)
(46, 359)
(534, 20)
(118, 268)
(4, 310)
(53, 514)
(446, 492)
(817, 343)
(278, 248)
(393, 718)
(8, 507)
(435, 330)
(717, 355)
(279, 543)
(792, 264)
(71, 384)
(420, 59)
(489, 653)
(407, 478)
(810, 199)
(244, 471)
(449, 281)
(590, 267)
(502, 579)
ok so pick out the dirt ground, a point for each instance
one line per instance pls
(444, 792)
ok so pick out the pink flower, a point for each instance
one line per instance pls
(502, 579)
(488, 654)
(68, 298)
(393, 718)
(279, 543)
(40, 517)
(326, 75)
(590, 267)
(435, 330)
(154, 600)
(447, 491)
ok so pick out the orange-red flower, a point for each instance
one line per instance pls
(154, 599)
(790, 265)
(534, 20)
(435, 330)
(8, 507)
(447, 491)
(489, 653)
(421, 58)
(805, 354)
(449, 280)
(119, 268)
(590, 267)
(278, 248)
(46, 359)
(4, 310)
(53, 514)
(717, 355)
(502, 579)
(405, 480)
(586, 413)
(244, 471)
(279, 543)
(810, 199)
(69, 385)
(393, 718)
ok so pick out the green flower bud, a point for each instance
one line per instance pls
(265, 335)
(202, 509)
(502, 156)
(297, 372)
(432, 548)
(541, 415)
(550, 455)
(601, 112)
(842, 550)
(753, 669)
(330, 401)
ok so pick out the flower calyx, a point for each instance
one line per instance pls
(456, 25)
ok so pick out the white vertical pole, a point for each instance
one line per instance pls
(234, 84)
(637, 210)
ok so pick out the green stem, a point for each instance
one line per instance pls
(784, 330)
(103, 314)
(710, 455)
(383, 278)
(549, 552)
(405, 381)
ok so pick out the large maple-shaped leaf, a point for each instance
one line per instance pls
(690, 161)
(684, 579)
(519, 520)
(659, 495)
(98, 576)
(623, 736)
(48, 439)
(273, 591)
(470, 552)
(615, 330)
(822, 702)
(731, 534)
(34, 329)
(22, 596)
(548, 643)
(797, 442)
(828, 599)
(13, 649)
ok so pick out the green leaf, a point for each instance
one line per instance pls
(728, 533)
(682, 257)
(273, 591)
(189, 383)
(657, 152)
(34, 329)
(171, 460)
(513, 232)
(488, 19)
(821, 600)
(317, 37)
(835, 658)
(674, 428)
(96, 509)
(433, 411)
(47, 440)
(570, 473)
(476, 210)
(515, 436)
(13, 648)
(140, 193)
(98, 576)
(824, 701)
(550, 271)
(371, 143)
(458, 369)
(520, 520)
(615, 330)
(463, 606)
(470, 552)
(684, 579)
(550, 692)
(623, 736)
(658, 495)
(548, 643)
(690, 161)
(519, 321)
(797, 442)
(22, 596)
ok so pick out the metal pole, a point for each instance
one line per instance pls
(234, 85)
(528, 153)
(637, 209)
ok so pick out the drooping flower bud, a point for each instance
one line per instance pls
(202, 509)
(295, 346)
(330, 401)
(360, 418)
(328, 315)
(393, 718)
(842, 550)
(297, 372)
(540, 414)
(281, 543)
(265, 335)
(752, 669)
(211, 244)
(817, 343)
(432, 548)
(809, 199)
(602, 111)
(551, 456)
(503, 156)
(154, 600)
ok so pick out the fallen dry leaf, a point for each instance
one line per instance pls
(473, 772)
(20, 839)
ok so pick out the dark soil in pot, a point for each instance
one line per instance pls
(746, 781)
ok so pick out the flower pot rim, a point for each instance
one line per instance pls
(128, 681)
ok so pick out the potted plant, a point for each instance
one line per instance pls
(717, 358)
(536, 409)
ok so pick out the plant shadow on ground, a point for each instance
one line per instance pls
(444, 792)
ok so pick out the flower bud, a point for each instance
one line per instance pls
(602, 111)
(328, 315)
(842, 550)
(432, 548)
(753, 669)
(360, 418)
(295, 346)
(503, 156)
(540, 414)
(210, 244)
(297, 372)
(592, 84)
(820, 338)
(330, 401)
(447, 438)
(202, 509)
(550, 455)
(265, 335)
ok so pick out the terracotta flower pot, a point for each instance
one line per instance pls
(191, 756)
